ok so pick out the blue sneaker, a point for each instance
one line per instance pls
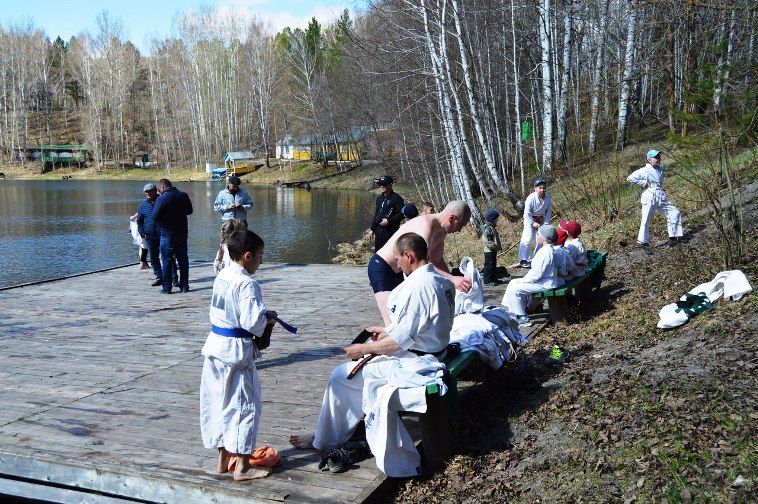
(523, 320)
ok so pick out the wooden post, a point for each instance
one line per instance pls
(558, 310)
(435, 434)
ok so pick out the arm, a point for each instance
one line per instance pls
(140, 222)
(188, 207)
(397, 212)
(157, 210)
(637, 177)
(436, 257)
(528, 219)
(252, 310)
(548, 209)
(247, 202)
(219, 205)
(383, 346)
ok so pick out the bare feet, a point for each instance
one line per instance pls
(243, 471)
(302, 441)
(225, 461)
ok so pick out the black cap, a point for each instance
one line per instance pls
(384, 180)
(235, 180)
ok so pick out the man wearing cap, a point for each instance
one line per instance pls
(650, 177)
(537, 211)
(541, 276)
(148, 232)
(388, 214)
(233, 202)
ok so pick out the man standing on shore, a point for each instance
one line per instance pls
(537, 211)
(170, 215)
(148, 232)
(233, 202)
(388, 214)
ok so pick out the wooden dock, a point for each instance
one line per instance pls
(99, 378)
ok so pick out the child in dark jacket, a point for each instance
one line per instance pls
(491, 246)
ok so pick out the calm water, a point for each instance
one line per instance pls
(54, 228)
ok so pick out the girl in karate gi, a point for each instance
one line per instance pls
(541, 276)
(537, 211)
(650, 177)
(230, 391)
(222, 255)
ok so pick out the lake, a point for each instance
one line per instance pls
(54, 228)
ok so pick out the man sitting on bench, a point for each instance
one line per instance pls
(421, 311)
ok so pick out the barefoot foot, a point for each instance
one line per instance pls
(225, 461)
(302, 441)
(243, 471)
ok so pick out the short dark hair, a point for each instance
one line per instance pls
(242, 241)
(164, 182)
(413, 242)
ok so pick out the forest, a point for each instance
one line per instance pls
(480, 96)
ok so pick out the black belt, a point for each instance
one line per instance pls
(439, 354)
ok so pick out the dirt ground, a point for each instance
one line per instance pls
(636, 414)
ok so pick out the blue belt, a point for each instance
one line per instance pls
(234, 332)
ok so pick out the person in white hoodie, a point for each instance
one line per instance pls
(537, 211)
(541, 276)
(650, 177)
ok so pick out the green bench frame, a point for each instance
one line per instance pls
(436, 424)
(557, 299)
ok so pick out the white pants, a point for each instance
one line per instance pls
(518, 295)
(230, 405)
(341, 409)
(527, 237)
(652, 202)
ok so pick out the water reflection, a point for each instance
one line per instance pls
(61, 227)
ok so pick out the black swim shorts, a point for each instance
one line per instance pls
(381, 275)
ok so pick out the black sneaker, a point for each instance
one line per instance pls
(157, 282)
(341, 459)
(525, 264)
(673, 242)
(176, 282)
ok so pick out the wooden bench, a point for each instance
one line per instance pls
(557, 299)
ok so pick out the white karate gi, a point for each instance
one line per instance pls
(654, 198)
(533, 206)
(473, 300)
(421, 316)
(564, 265)
(541, 276)
(230, 392)
(575, 247)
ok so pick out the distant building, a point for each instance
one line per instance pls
(361, 142)
(240, 162)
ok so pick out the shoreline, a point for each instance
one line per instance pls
(360, 178)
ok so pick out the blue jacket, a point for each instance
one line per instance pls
(225, 199)
(171, 211)
(145, 222)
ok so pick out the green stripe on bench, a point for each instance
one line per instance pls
(455, 365)
(595, 259)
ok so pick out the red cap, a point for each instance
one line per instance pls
(572, 227)
(562, 235)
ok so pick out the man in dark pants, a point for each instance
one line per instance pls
(147, 230)
(388, 214)
(170, 215)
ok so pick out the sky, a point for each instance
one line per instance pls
(144, 19)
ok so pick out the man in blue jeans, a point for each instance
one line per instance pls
(170, 215)
(147, 230)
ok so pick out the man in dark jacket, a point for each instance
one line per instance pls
(147, 230)
(388, 214)
(170, 215)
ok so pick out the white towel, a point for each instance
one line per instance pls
(731, 284)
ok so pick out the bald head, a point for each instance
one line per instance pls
(460, 209)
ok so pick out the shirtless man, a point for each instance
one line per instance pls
(383, 270)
